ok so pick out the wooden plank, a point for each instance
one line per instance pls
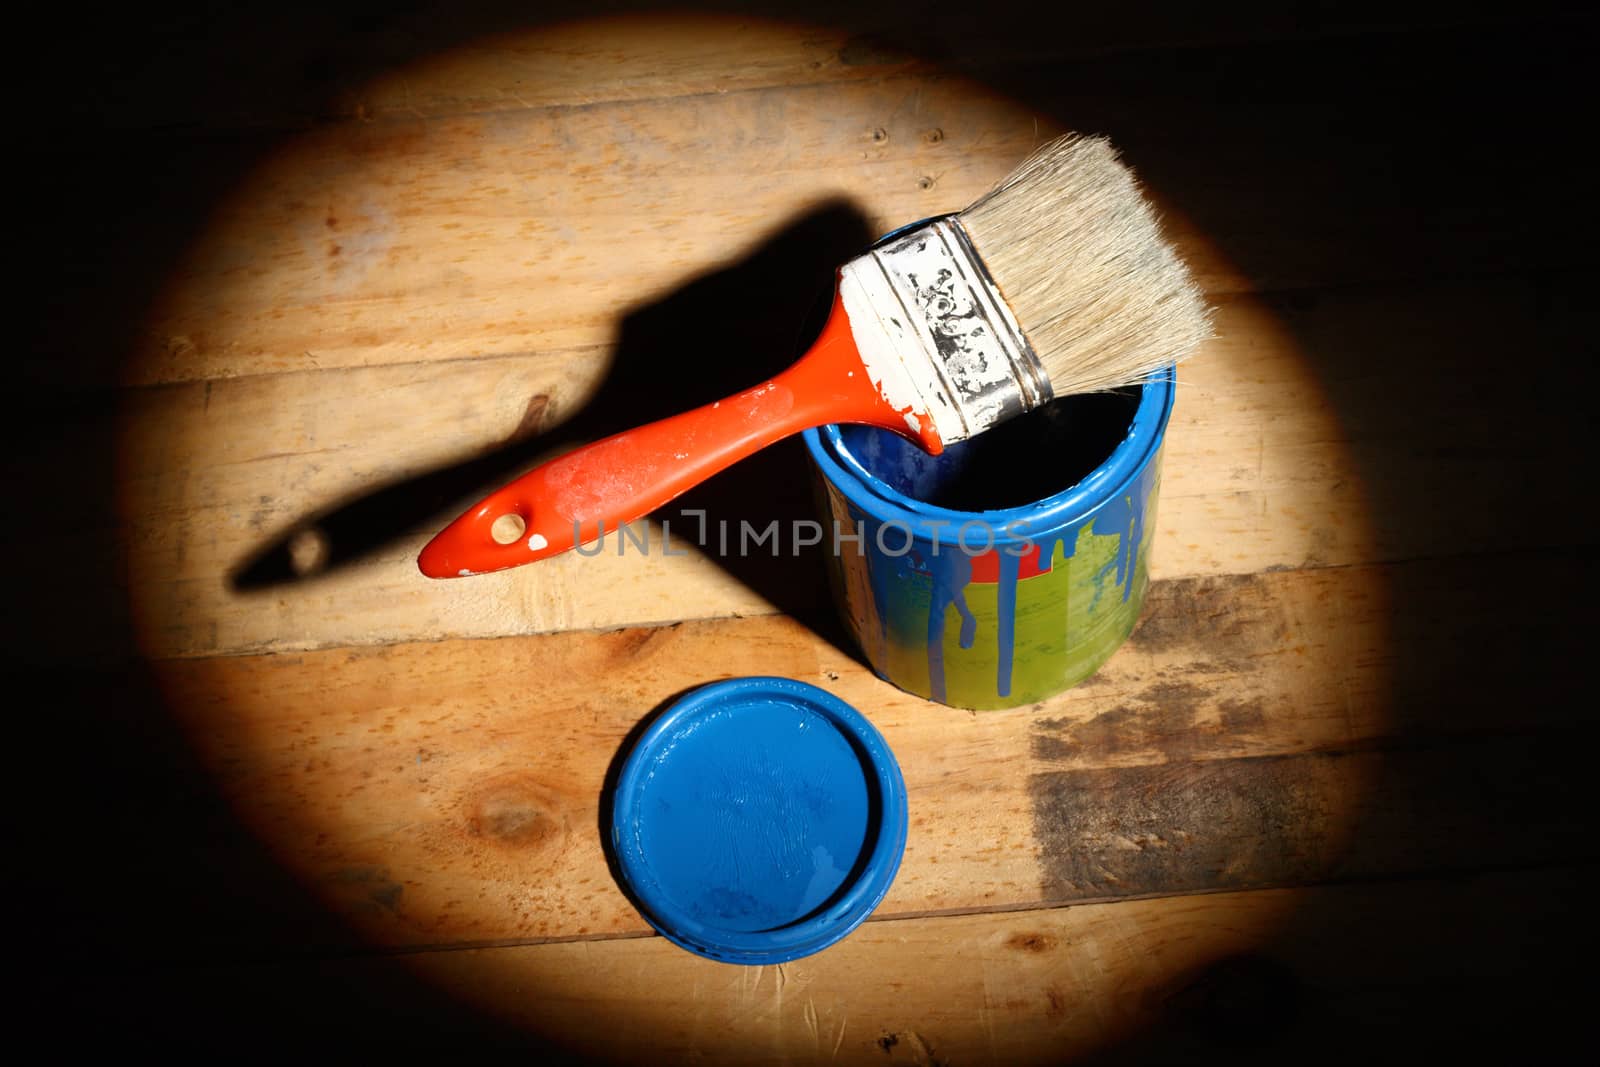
(448, 793)
(501, 232)
(228, 68)
(399, 242)
(1188, 977)
(661, 55)
(627, 57)
(1456, 968)
(1317, 430)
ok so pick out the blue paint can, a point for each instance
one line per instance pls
(759, 820)
(1010, 567)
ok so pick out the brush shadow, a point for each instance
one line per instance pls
(714, 335)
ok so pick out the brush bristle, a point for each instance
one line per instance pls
(1078, 255)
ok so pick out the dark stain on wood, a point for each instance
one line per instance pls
(1225, 619)
(1174, 717)
(1239, 716)
(1188, 826)
(625, 647)
(1177, 827)
(1031, 942)
(1228, 625)
(387, 896)
(532, 421)
(375, 890)
(916, 1049)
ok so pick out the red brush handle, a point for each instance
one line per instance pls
(622, 478)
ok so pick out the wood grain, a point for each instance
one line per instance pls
(449, 793)
(1298, 439)
(335, 272)
(1167, 976)
(1322, 974)
(493, 56)
(422, 240)
(480, 233)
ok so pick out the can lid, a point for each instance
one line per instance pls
(759, 820)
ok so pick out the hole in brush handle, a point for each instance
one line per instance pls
(508, 528)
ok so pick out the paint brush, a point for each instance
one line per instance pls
(1057, 281)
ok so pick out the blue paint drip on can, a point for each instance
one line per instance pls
(949, 583)
(1038, 619)
(1010, 564)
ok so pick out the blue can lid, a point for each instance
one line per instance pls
(759, 820)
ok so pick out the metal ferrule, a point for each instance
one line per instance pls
(934, 297)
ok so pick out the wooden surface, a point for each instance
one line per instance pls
(342, 275)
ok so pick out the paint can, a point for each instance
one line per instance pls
(1010, 567)
(758, 820)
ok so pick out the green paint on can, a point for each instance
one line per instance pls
(995, 607)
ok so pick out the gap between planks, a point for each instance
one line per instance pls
(1013, 989)
(1308, 736)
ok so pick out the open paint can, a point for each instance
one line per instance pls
(1011, 566)
(758, 820)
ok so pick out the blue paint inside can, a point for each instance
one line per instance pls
(759, 820)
